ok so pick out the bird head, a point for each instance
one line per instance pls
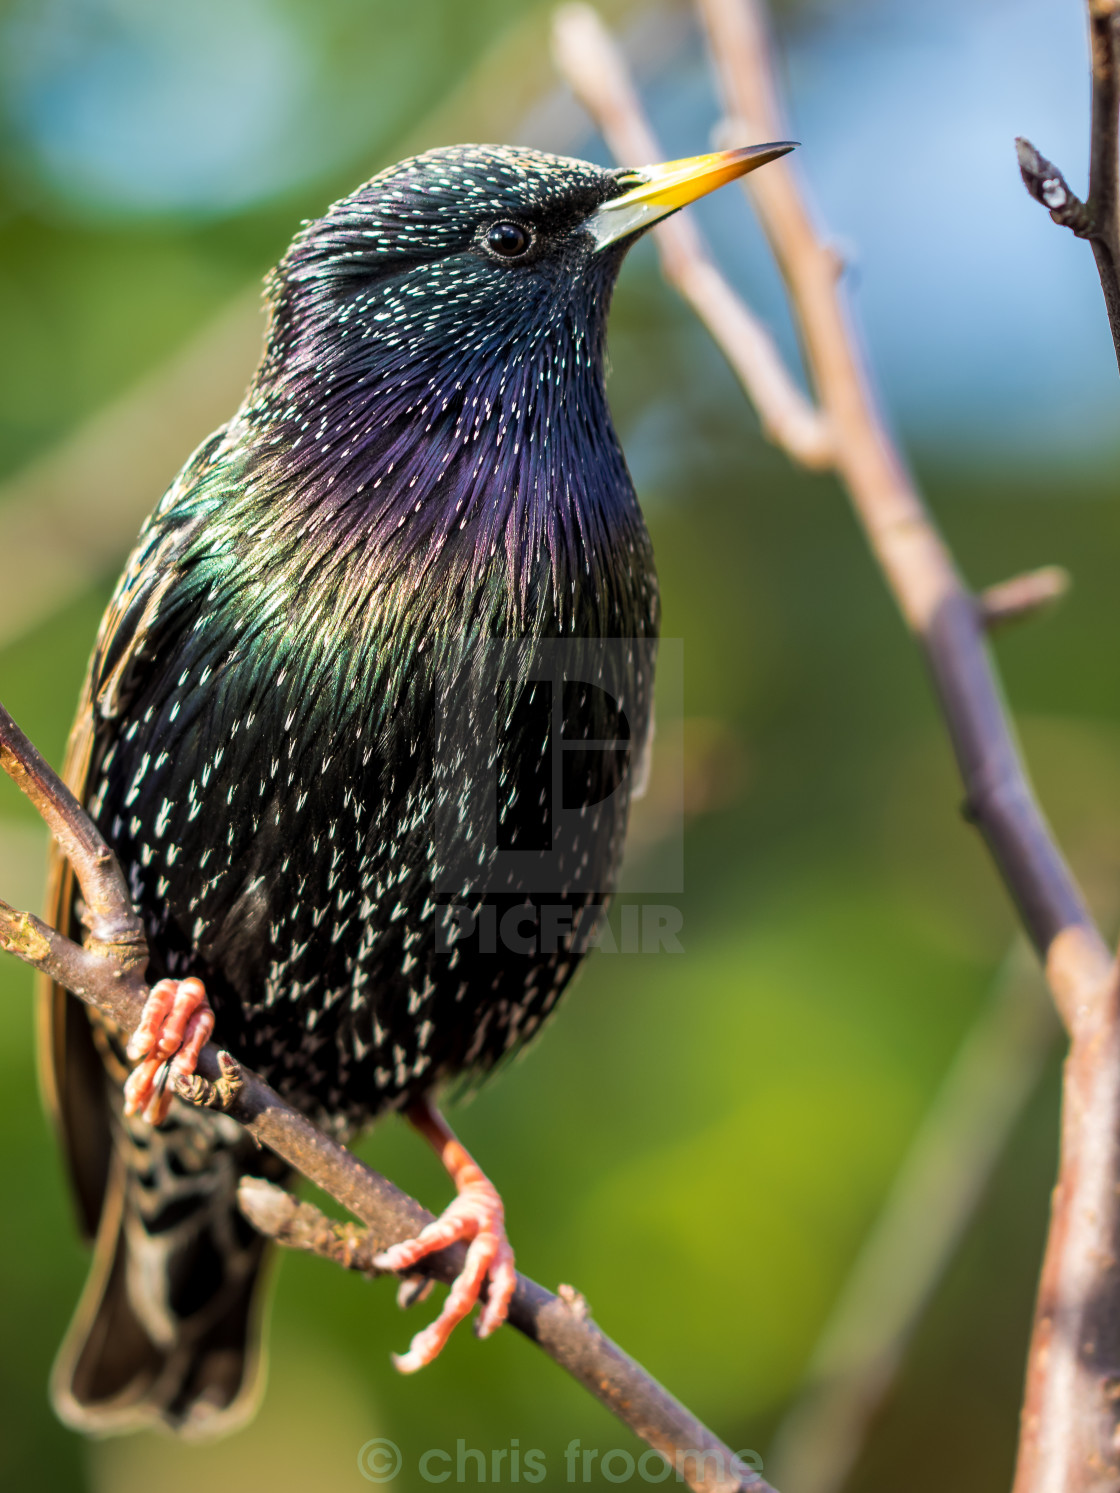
(435, 357)
(466, 249)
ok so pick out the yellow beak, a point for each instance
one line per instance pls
(661, 190)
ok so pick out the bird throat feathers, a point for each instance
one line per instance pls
(407, 445)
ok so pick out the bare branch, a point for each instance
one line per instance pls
(108, 974)
(918, 567)
(903, 1258)
(915, 560)
(1070, 1432)
(593, 67)
(108, 912)
(1071, 1428)
(283, 1218)
(1104, 154)
(1022, 596)
(1070, 1417)
(1098, 218)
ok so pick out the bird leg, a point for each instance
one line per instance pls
(174, 1028)
(476, 1215)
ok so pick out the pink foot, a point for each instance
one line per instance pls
(174, 1028)
(476, 1215)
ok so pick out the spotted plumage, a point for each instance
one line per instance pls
(362, 723)
(281, 737)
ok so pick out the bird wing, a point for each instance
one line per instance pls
(74, 1047)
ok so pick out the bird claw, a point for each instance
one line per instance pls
(476, 1216)
(414, 1289)
(174, 1028)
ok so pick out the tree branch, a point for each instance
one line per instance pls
(915, 560)
(944, 615)
(1070, 1435)
(108, 975)
(284, 1219)
(1071, 1426)
(903, 1258)
(1104, 155)
(1022, 596)
(597, 75)
(1098, 218)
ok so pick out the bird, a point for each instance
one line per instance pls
(320, 729)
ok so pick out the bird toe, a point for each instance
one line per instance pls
(174, 1027)
(477, 1216)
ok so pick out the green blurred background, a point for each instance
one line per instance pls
(702, 1141)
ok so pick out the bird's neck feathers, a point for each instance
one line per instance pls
(397, 456)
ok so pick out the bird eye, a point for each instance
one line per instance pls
(509, 240)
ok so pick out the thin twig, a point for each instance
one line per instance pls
(108, 975)
(1104, 154)
(934, 1195)
(918, 567)
(108, 913)
(593, 68)
(1070, 1432)
(299, 1225)
(1098, 217)
(915, 559)
(1070, 1435)
(1022, 596)
(1071, 1428)
(1070, 1418)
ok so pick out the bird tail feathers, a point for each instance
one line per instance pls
(168, 1330)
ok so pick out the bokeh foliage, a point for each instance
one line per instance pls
(700, 1141)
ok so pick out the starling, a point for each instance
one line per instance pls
(318, 728)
